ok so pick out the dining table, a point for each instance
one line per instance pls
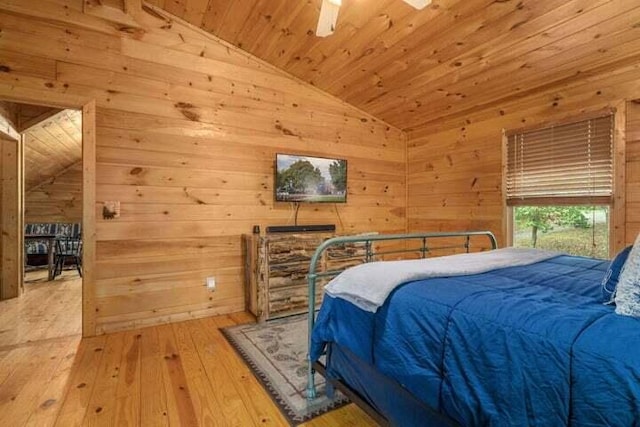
(50, 240)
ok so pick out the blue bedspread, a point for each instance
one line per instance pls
(520, 346)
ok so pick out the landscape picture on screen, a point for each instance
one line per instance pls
(310, 179)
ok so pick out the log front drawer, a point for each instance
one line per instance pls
(276, 268)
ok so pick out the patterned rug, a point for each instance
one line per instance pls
(276, 352)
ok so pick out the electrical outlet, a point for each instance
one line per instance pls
(211, 283)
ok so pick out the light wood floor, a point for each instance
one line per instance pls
(48, 309)
(180, 375)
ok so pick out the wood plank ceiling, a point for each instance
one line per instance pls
(52, 146)
(411, 67)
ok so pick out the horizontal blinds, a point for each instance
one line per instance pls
(569, 163)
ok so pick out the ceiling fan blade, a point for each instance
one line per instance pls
(328, 17)
(418, 4)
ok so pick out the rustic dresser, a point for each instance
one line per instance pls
(276, 267)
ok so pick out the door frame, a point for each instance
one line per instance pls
(88, 107)
(11, 153)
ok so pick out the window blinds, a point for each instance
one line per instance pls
(564, 164)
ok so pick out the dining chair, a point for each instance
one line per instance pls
(68, 249)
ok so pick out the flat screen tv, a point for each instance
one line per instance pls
(310, 179)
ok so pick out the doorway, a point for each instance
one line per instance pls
(42, 223)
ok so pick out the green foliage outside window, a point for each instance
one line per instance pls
(543, 218)
(579, 230)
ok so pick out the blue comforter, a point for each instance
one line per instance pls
(519, 346)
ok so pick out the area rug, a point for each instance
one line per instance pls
(276, 352)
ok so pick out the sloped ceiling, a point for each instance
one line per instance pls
(52, 146)
(411, 67)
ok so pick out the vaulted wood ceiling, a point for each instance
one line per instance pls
(412, 67)
(52, 146)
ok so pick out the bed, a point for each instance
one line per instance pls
(525, 343)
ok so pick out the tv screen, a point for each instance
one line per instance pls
(310, 179)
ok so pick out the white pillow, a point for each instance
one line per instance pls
(628, 290)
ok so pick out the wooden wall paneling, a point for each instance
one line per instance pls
(20, 181)
(617, 237)
(187, 129)
(149, 133)
(218, 91)
(30, 91)
(58, 199)
(11, 255)
(225, 48)
(9, 120)
(11, 236)
(1, 214)
(89, 321)
(632, 171)
(441, 155)
(28, 65)
(592, 94)
(507, 212)
(191, 40)
(114, 11)
(65, 11)
(68, 38)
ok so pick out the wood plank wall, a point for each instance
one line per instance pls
(1, 214)
(59, 199)
(8, 117)
(187, 131)
(11, 255)
(10, 218)
(454, 167)
(633, 170)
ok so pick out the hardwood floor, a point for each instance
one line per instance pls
(179, 375)
(47, 310)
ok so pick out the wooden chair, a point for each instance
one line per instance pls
(68, 249)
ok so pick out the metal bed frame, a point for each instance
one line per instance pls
(370, 255)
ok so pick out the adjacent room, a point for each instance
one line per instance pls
(319, 212)
(42, 211)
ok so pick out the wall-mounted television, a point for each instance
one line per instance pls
(306, 179)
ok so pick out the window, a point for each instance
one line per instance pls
(559, 186)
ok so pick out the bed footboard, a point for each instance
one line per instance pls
(424, 248)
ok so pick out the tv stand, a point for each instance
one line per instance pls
(301, 228)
